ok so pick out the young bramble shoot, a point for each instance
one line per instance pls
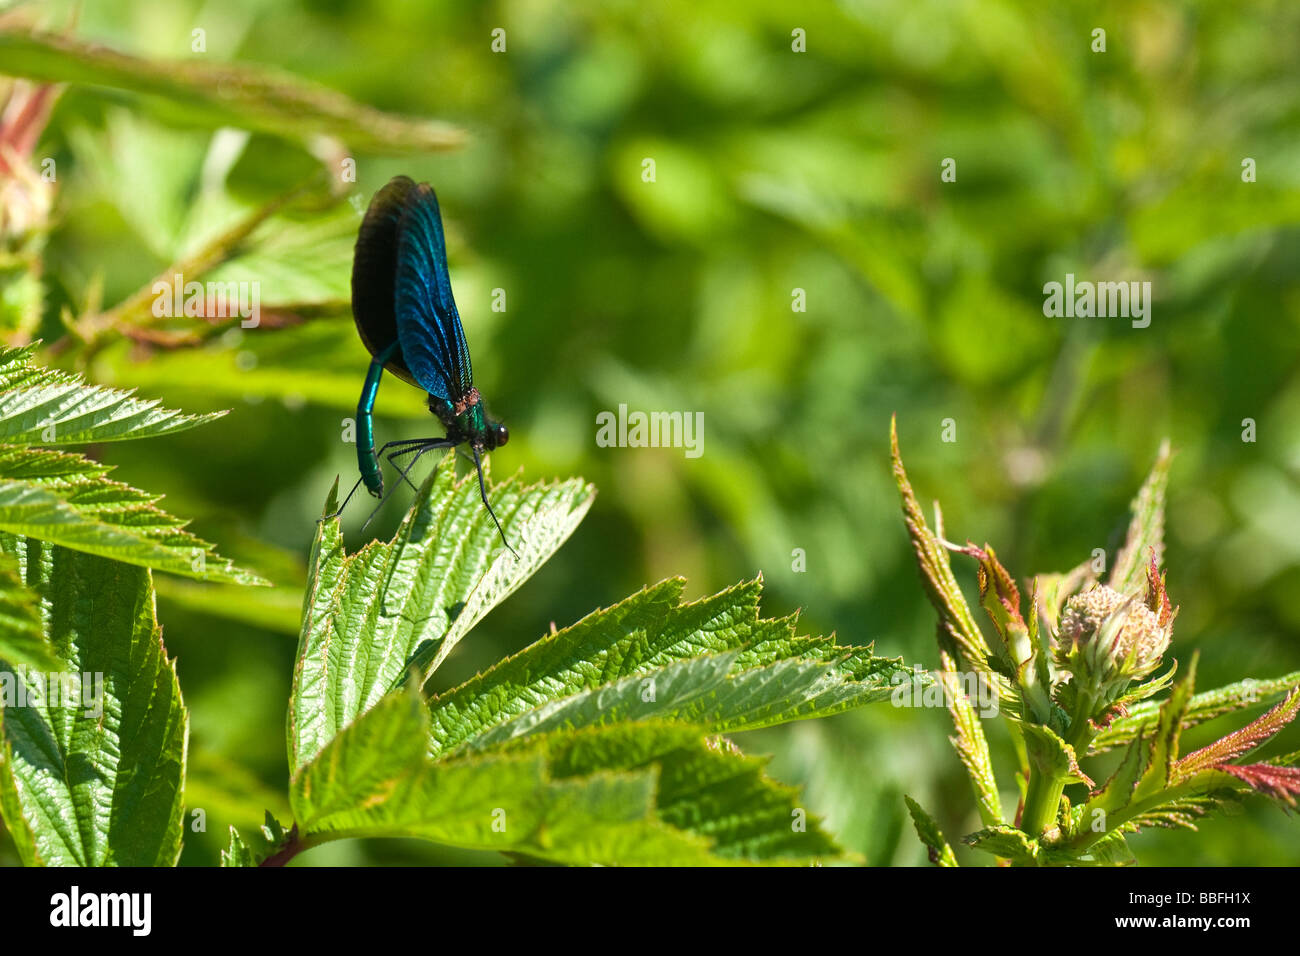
(407, 318)
(1075, 669)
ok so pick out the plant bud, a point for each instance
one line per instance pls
(1106, 639)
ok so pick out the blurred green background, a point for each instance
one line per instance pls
(775, 170)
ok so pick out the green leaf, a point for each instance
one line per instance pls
(1180, 812)
(1234, 745)
(706, 787)
(1035, 674)
(272, 830)
(1016, 646)
(1285, 760)
(1007, 843)
(264, 842)
(22, 638)
(714, 691)
(94, 777)
(1202, 707)
(1146, 531)
(959, 635)
(1140, 692)
(694, 690)
(366, 758)
(237, 852)
(1113, 850)
(1173, 793)
(1108, 850)
(1159, 772)
(224, 94)
(51, 407)
(1117, 792)
(297, 263)
(587, 653)
(296, 267)
(1000, 599)
(400, 607)
(940, 852)
(67, 499)
(152, 174)
(643, 795)
(713, 662)
(971, 746)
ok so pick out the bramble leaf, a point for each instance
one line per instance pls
(1146, 531)
(44, 406)
(714, 663)
(399, 607)
(1240, 741)
(940, 852)
(645, 794)
(1007, 843)
(1280, 783)
(959, 635)
(237, 853)
(1159, 771)
(68, 500)
(1202, 707)
(92, 768)
(971, 746)
(1116, 793)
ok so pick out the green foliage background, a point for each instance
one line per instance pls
(775, 171)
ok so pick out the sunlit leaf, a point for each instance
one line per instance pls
(940, 852)
(712, 663)
(68, 500)
(645, 794)
(399, 607)
(92, 775)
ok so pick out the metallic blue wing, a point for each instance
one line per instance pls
(374, 275)
(428, 325)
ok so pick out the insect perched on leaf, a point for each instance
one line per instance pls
(407, 318)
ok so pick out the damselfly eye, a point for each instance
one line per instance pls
(503, 435)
